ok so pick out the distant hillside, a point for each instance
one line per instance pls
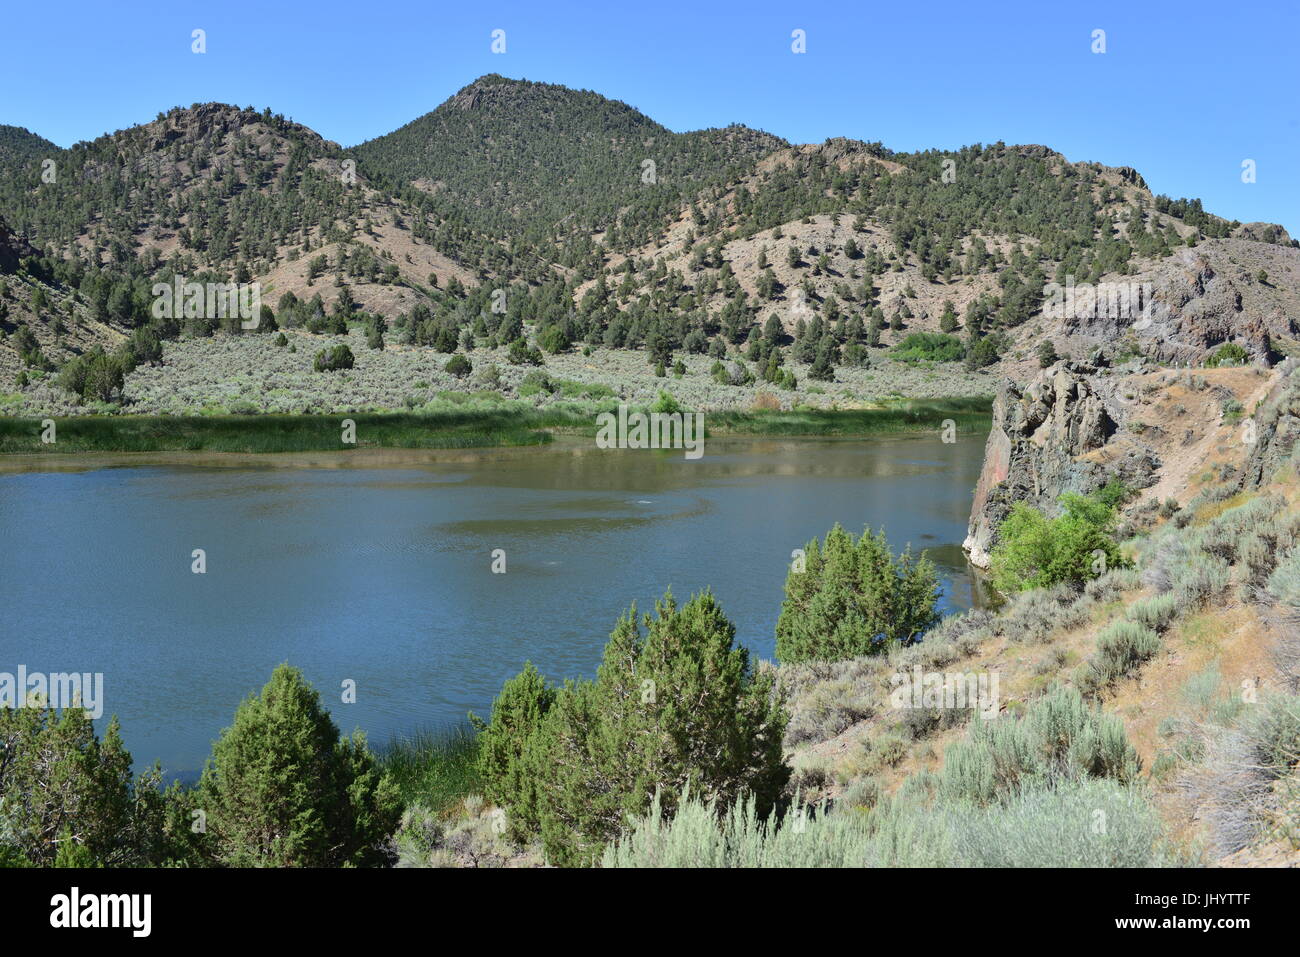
(531, 217)
(514, 155)
(20, 148)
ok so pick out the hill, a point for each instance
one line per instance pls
(554, 165)
(520, 220)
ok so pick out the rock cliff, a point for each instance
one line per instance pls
(1040, 444)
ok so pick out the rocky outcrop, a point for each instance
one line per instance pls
(1263, 233)
(12, 249)
(1189, 306)
(1277, 429)
(1039, 445)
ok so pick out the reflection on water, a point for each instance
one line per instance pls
(375, 566)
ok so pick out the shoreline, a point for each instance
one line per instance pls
(510, 425)
(566, 443)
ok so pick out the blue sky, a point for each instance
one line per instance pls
(1184, 92)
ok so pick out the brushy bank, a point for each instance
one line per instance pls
(452, 425)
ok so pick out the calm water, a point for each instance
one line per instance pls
(378, 569)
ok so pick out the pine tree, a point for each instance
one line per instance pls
(854, 598)
(678, 704)
(948, 320)
(283, 790)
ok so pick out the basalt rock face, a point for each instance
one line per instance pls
(1197, 308)
(1277, 429)
(1264, 233)
(1037, 449)
(1184, 308)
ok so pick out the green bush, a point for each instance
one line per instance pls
(554, 340)
(1228, 354)
(929, 347)
(666, 403)
(283, 790)
(67, 796)
(535, 383)
(94, 376)
(508, 746)
(333, 359)
(521, 353)
(678, 704)
(459, 366)
(854, 598)
(1034, 551)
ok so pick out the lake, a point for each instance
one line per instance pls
(377, 567)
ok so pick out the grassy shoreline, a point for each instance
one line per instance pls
(507, 424)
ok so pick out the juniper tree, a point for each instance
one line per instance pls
(282, 789)
(854, 598)
(674, 704)
(66, 794)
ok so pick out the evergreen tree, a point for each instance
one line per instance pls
(854, 598)
(674, 706)
(283, 790)
(67, 796)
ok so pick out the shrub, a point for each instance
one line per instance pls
(1246, 786)
(1035, 615)
(508, 745)
(854, 598)
(283, 790)
(333, 359)
(1155, 612)
(1034, 551)
(535, 383)
(827, 709)
(521, 353)
(1037, 828)
(459, 366)
(105, 377)
(1200, 579)
(1061, 738)
(703, 834)
(1058, 828)
(1121, 647)
(94, 375)
(554, 340)
(678, 704)
(929, 347)
(666, 403)
(1228, 354)
(144, 346)
(68, 796)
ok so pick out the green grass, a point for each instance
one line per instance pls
(435, 768)
(289, 433)
(908, 415)
(505, 424)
